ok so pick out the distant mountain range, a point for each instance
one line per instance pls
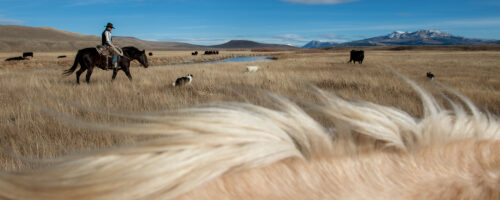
(401, 38)
(25, 38)
(318, 44)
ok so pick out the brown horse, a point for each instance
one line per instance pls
(88, 58)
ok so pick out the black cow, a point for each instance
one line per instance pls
(63, 56)
(430, 75)
(15, 58)
(27, 54)
(150, 53)
(194, 53)
(357, 56)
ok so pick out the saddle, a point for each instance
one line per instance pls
(106, 60)
(102, 50)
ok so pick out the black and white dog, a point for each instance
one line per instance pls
(183, 80)
(430, 75)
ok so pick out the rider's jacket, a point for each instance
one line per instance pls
(106, 38)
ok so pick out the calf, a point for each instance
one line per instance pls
(15, 58)
(252, 68)
(357, 56)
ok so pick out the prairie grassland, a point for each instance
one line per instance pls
(38, 107)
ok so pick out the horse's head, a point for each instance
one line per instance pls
(143, 59)
(135, 54)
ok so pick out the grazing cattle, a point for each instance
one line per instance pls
(430, 75)
(194, 53)
(212, 52)
(15, 58)
(183, 80)
(27, 54)
(252, 68)
(358, 150)
(63, 56)
(357, 56)
(150, 53)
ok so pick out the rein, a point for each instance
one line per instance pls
(127, 57)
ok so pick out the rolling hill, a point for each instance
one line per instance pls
(245, 44)
(25, 38)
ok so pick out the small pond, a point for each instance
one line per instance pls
(231, 60)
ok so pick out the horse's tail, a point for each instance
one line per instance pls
(75, 65)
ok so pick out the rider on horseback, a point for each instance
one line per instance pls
(107, 42)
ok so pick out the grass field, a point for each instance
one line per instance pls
(35, 98)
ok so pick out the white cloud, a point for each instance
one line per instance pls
(319, 2)
(332, 37)
(289, 37)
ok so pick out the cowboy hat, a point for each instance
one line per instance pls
(110, 25)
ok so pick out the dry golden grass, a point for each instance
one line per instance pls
(30, 98)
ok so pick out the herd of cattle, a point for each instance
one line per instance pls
(213, 52)
(27, 56)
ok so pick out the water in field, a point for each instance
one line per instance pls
(231, 60)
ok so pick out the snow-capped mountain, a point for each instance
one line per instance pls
(397, 34)
(421, 37)
(423, 34)
(318, 44)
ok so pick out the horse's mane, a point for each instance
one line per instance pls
(132, 49)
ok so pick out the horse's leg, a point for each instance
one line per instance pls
(89, 73)
(127, 72)
(82, 69)
(115, 72)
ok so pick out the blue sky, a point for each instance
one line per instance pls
(272, 21)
